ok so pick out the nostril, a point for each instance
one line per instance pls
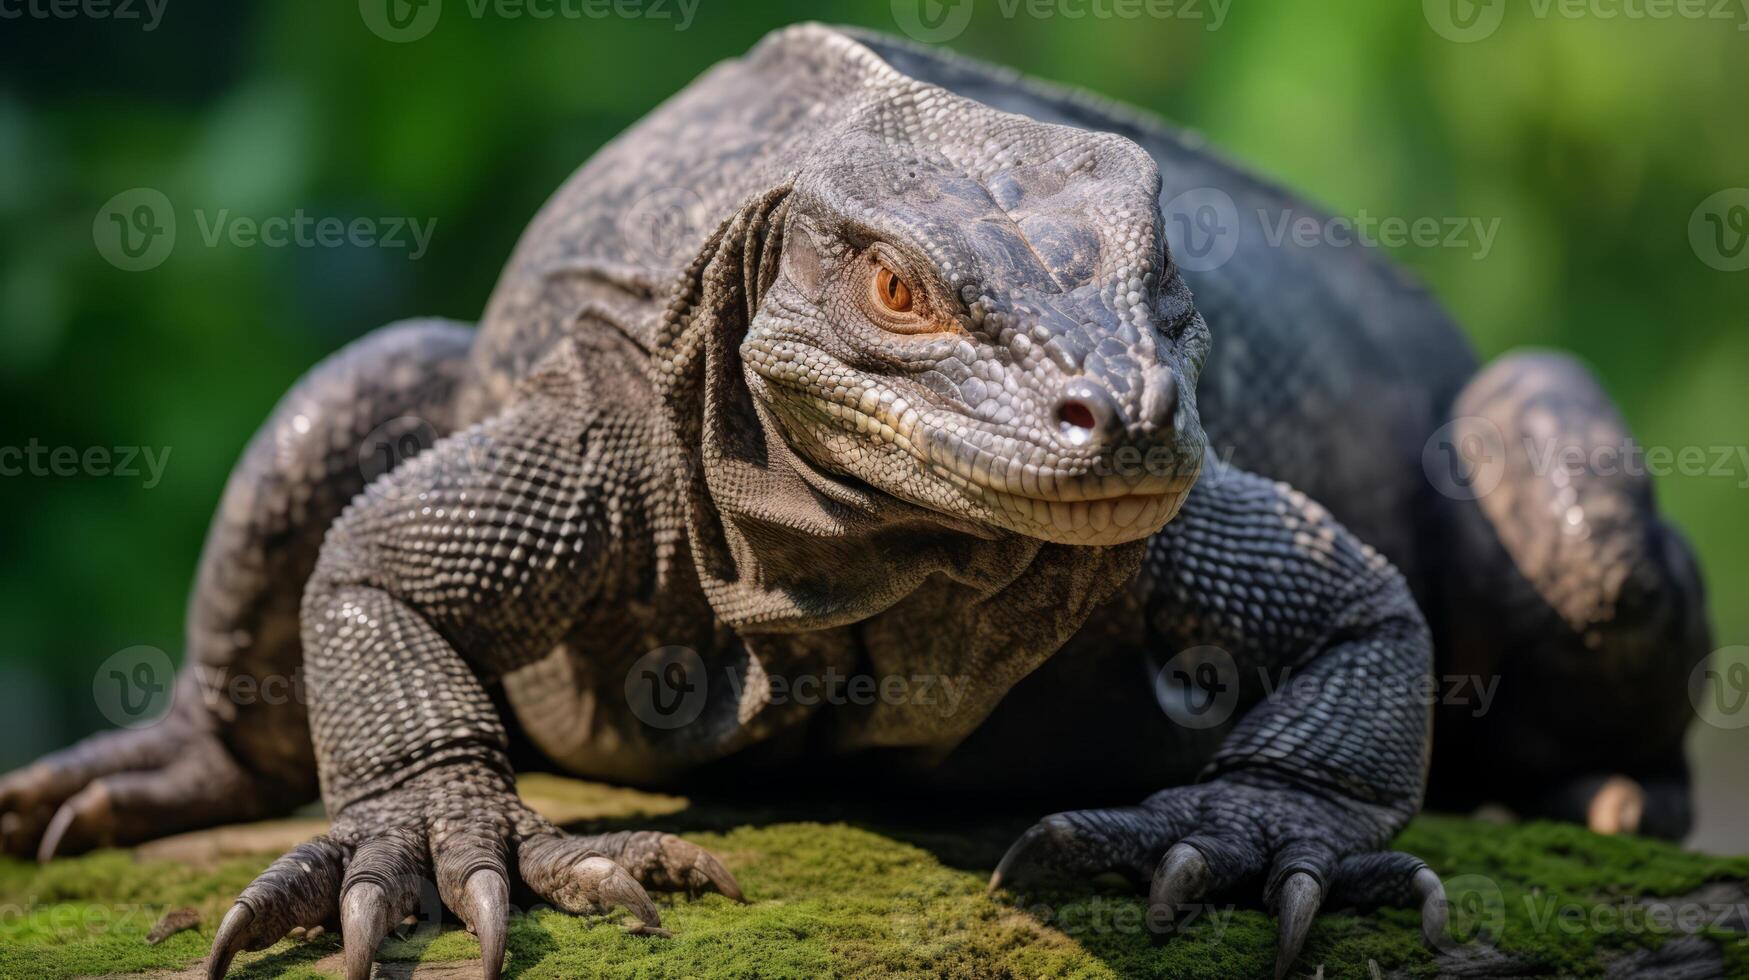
(1085, 412)
(1075, 414)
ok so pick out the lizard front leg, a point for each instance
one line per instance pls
(470, 561)
(1313, 780)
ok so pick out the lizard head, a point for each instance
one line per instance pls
(989, 326)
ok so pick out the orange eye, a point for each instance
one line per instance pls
(891, 290)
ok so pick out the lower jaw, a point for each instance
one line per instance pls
(1112, 521)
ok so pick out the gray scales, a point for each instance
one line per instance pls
(908, 385)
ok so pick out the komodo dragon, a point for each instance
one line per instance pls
(857, 360)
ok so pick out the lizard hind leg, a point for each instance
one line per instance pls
(1573, 616)
(235, 744)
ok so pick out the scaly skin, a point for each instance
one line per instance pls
(826, 370)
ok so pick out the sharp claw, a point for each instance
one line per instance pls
(720, 877)
(1297, 906)
(1004, 875)
(233, 932)
(1182, 879)
(75, 824)
(364, 921)
(488, 898)
(616, 886)
(1433, 906)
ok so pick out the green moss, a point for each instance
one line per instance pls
(886, 900)
(1555, 893)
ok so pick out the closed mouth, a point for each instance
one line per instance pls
(1075, 508)
(1071, 508)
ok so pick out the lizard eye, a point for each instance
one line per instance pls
(890, 289)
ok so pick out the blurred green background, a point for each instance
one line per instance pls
(1591, 139)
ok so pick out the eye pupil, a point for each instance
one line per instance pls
(894, 294)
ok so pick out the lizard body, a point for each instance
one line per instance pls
(859, 361)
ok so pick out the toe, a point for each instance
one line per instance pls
(202, 787)
(30, 797)
(384, 882)
(473, 878)
(664, 862)
(299, 889)
(84, 822)
(485, 910)
(1394, 879)
(237, 932)
(580, 880)
(1431, 892)
(1181, 881)
(364, 921)
(1082, 843)
(1297, 903)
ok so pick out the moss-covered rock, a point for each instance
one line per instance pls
(832, 896)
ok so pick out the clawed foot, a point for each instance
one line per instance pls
(1296, 850)
(123, 787)
(466, 835)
